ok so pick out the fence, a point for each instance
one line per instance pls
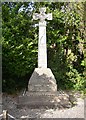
(5, 116)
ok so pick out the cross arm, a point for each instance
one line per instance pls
(35, 16)
(49, 16)
(42, 15)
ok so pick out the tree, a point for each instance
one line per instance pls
(19, 44)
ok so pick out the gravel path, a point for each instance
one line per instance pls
(10, 101)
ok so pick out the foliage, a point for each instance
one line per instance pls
(19, 45)
(65, 42)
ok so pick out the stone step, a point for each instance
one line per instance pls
(37, 100)
(45, 100)
(34, 98)
(38, 105)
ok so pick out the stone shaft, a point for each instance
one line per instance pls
(42, 48)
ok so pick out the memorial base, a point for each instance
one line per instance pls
(42, 92)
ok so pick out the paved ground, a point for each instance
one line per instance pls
(77, 111)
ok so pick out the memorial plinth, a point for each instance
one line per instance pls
(42, 80)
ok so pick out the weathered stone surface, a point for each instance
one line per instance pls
(42, 79)
(46, 100)
(42, 88)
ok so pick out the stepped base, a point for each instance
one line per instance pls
(44, 100)
(36, 100)
(42, 90)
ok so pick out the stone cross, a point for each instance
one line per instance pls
(42, 47)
